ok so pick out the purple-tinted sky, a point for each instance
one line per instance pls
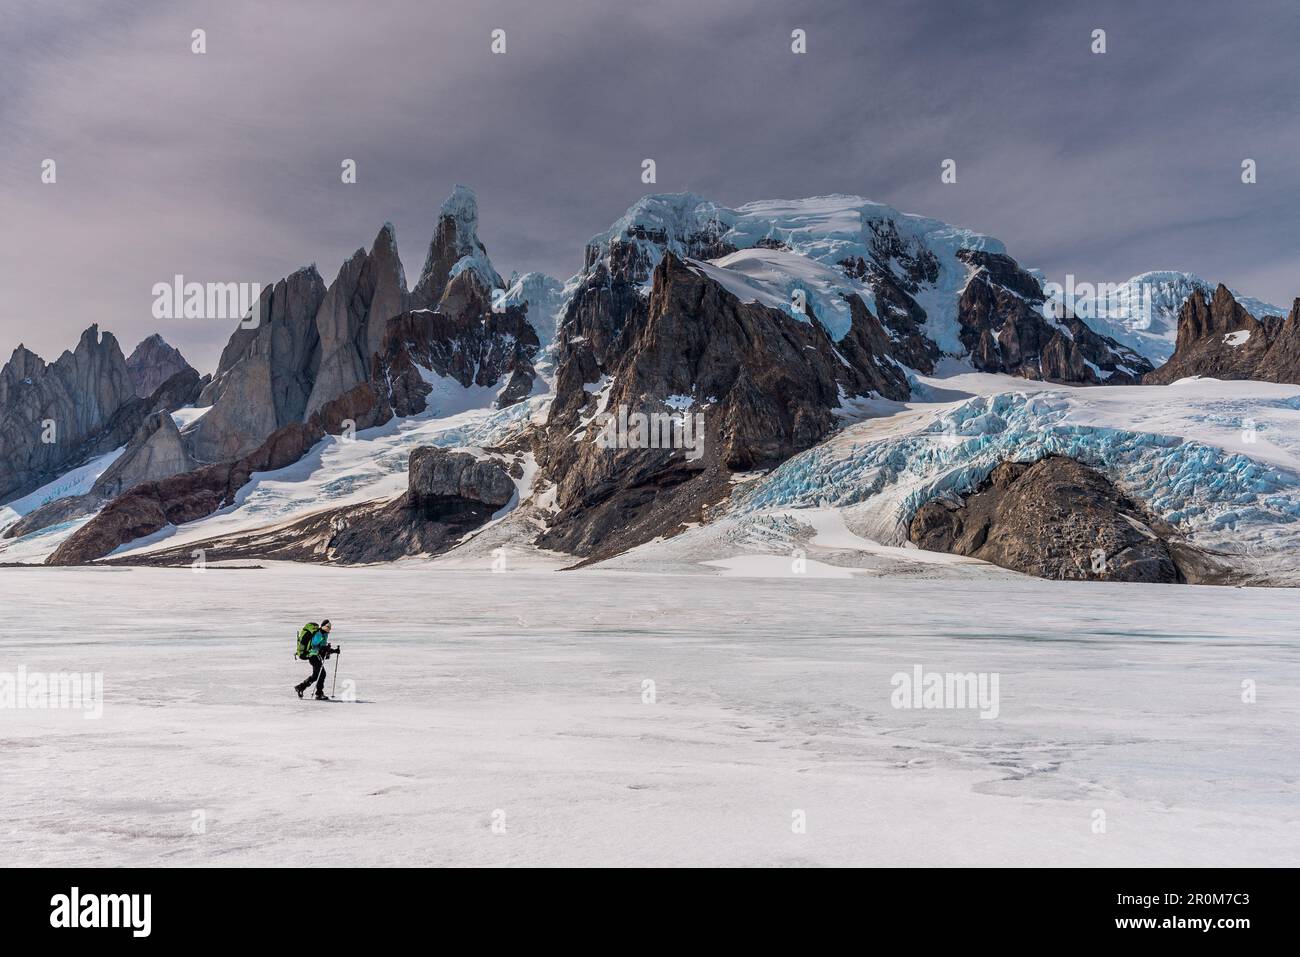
(225, 166)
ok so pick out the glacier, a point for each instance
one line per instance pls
(1220, 461)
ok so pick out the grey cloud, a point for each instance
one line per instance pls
(226, 166)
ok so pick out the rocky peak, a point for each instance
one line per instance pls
(1005, 329)
(152, 363)
(369, 290)
(455, 247)
(764, 383)
(687, 225)
(88, 396)
(1219, 338)
(23, 364)
(265, 377)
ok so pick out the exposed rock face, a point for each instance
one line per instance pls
(463, 340)
(152, 506)
(1005, 330)
(765, 383)
(89, 397)
(319, 357)
(436, 476)
(316, 344)
(152, 363)
(1282, 364)
(311, 346)
(1218, 338)
(455, 247)
(155, 452)
(449, 494)
(1059, 519)
(369, 290)
(265, 375)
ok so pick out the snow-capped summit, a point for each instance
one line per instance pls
(685, 224)
(1142, 312)
(855, 245)
(834, 228)
(876, 244)
(455, 248)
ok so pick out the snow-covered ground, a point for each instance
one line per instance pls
(336, 472)
(1121, 735)
(1218, 460)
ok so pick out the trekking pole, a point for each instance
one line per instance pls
(335, 685)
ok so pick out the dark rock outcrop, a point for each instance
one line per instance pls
(464, 340)
(1219, 339)
(1056, 518)
(765, 383)
(449, 494)
(310, 346)
(437, 477)
(1004, 328)
(152, 363)
(1282, 363)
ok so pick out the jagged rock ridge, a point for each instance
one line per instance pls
(57, 416)
(1219, 338)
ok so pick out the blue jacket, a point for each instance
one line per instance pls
(311, 640)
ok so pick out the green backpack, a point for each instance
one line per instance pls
(305, 635)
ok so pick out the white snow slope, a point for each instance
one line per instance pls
(520, 698)
(334, 473)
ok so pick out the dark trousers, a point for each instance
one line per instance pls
(317, 675)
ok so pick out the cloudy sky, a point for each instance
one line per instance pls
(226, 166)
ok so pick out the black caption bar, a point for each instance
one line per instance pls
(332, 907)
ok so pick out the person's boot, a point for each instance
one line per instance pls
(321, 696)
(299, 689)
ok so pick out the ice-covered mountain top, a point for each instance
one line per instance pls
(1180, 285)
(826, 228)
(918, 253)
(1142, 312)
(836, 227)
(677, 215)
(461, 209)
